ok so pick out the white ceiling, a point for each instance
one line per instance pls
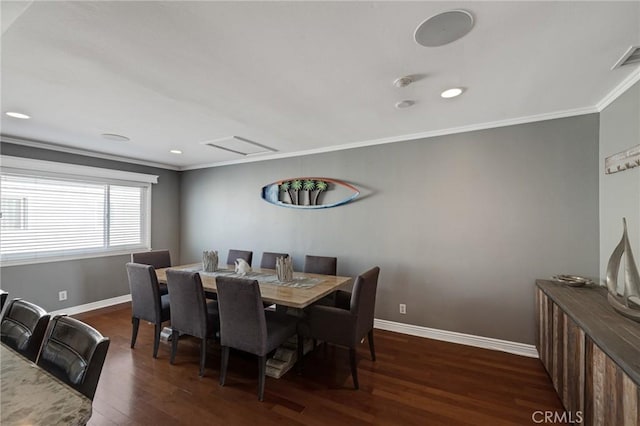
(295, 76)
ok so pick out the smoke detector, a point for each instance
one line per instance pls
(403, 81)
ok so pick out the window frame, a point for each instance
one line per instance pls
(19, 166)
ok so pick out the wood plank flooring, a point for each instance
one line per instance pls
(414, 381)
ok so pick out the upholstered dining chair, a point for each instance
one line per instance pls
(190, 312)
(246, 326)
(348, 323)
(23, 326)
(322, 265)
(157, 258)
(239, 254)
(269, 259)
(146, 302)
(74, 352)
(3, 298)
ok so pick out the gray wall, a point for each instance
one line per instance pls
(90, 280)
(619, 192)
(461, 225)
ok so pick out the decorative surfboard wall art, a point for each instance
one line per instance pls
(308, 192)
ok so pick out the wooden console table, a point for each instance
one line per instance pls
(591, 353)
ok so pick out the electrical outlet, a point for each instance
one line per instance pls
(62, 295)
(403, 308)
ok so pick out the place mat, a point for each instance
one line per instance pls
(261, 277)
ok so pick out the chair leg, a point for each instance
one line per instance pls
(372, 349)
(224, 362)
(262, 367)
(354, 368)
(156, 339)
(203, 355)
(135, 324)
(175, 335)
(300, 353)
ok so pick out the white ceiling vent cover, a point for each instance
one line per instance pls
(239, 145)
(631, 56)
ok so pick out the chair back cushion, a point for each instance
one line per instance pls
(242, 320)
(3, 298)
(188, 303)
(320, 265)
(363, 300)
(145, 292)
(70, 352)
(23, 327)
(269, 259)
(239, 254)
(156, 258)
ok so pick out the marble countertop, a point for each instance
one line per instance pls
(30, 395)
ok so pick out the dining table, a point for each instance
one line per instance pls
(29, 395)
(291, 296)
(298, 293)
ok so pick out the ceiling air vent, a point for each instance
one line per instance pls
(631, 56)
(239, 145)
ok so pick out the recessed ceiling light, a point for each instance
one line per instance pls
(114, 137)
(443, 28)
(405, 104)
(175, 151)
(18, 115)
(452, 93)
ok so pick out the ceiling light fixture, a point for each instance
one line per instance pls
(175, 151)
(403, 81)
(452, 93)
(405, 104)
(115, 138)
(18, 115)
(443, 28)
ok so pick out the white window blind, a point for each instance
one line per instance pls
(46, 218)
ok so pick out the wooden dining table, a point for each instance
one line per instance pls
(299, 293)
(31, 396)
(295, 295)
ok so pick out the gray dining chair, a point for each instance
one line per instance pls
(346, 324)
(74, 352)
(269, 259)
(190, 312)
(321, 265)
(239, 254)
(246, 326)
(146, 302)
(157, 258)
(23, 326)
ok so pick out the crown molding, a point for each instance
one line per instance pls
(404, 138)
(617, 91)
(85, 152)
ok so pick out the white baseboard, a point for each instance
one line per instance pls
(73, 310)
(412, 330)
(461, 338)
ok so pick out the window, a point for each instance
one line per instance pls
(58, 211)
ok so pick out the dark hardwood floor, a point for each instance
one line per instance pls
(414, 381)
